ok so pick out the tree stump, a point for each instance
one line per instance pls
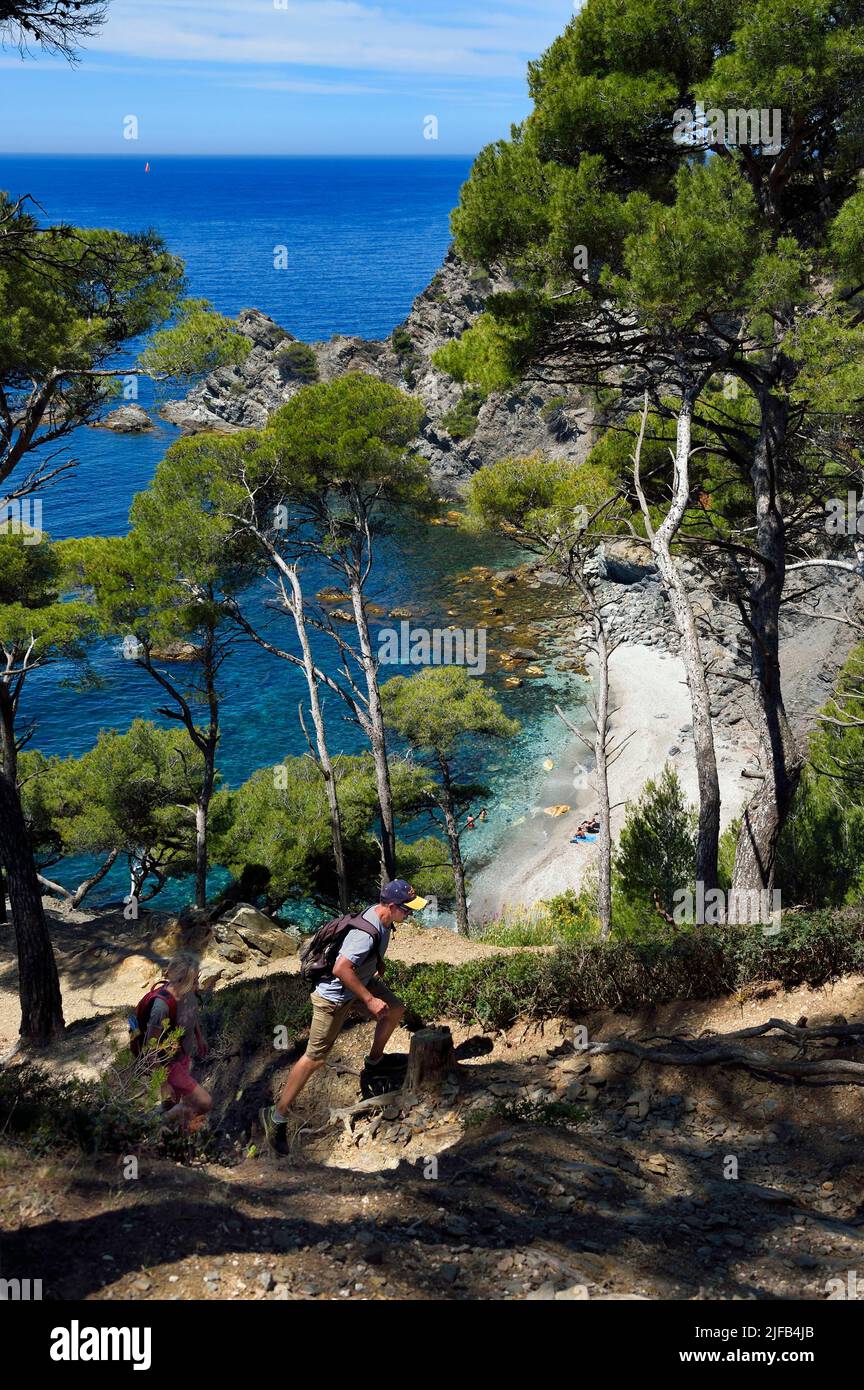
(430, 1060)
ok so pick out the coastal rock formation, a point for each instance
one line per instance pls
(625, 562)
(126, 419)
(814, 645)
(531, 417)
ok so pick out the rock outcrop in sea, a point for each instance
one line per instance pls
(529, 418)
(126, 419)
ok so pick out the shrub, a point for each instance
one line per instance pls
(548, 1112)
(690, 963)
(657, 849)
(569, 917)
(241, 1018)
(300, 361)
(726, 854)
(461, 421)
(551, 408)
(403, 343)
(405, 349)
(821, 847)
(48, 1115)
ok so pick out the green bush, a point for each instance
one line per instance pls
(406, 350)
(403, 343)
(551, 408)
(820, 855)
(461, 421)
(569, 917)
(300, 360)
(689, 963)
(726, 854)
(51, 1115)
(657, 848)
(543, 1112)
(241, 1018)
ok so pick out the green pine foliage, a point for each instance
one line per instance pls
(657, 847)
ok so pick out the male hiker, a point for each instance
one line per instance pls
(347, 962)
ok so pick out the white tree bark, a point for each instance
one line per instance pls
(691, 649)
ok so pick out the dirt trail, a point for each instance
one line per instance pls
(639, 1181)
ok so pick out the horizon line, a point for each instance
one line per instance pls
(240, 154)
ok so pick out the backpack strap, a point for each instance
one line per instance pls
(145, 1008)
(360, 924)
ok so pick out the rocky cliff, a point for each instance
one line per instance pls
(531, 417)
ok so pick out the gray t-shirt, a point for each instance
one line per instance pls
(360, 950)
(187, 1017)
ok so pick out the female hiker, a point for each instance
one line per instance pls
(188, 1100)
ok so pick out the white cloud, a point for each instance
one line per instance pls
(324, 89)
(430, 38)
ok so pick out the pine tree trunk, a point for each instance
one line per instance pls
(691, 655)
(431, 1060)
(208, 745)
(377, 739)
(766, 813)
(324, 760)
(90, 883)
(38, 982)
(601, 768)
(201, 854)
(455, 848)
(604, 845)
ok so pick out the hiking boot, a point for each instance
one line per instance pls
(386, 1063)
(274, 1134)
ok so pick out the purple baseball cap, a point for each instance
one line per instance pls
(401, 894)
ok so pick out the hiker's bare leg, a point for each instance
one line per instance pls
(299, 1074)
(384, 1029)
(197, 1102)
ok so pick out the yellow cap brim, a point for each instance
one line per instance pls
(416, 904)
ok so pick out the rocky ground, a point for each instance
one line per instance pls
(541, 1172)
(813, 645)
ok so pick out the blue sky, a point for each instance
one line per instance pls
(282, 77)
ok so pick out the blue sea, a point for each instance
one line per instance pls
(363, 238)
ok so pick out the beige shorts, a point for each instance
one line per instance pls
(328, 1019)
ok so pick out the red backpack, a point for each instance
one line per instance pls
(139, 1023)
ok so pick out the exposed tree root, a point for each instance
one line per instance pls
(346, 1113)
(719, 1050)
